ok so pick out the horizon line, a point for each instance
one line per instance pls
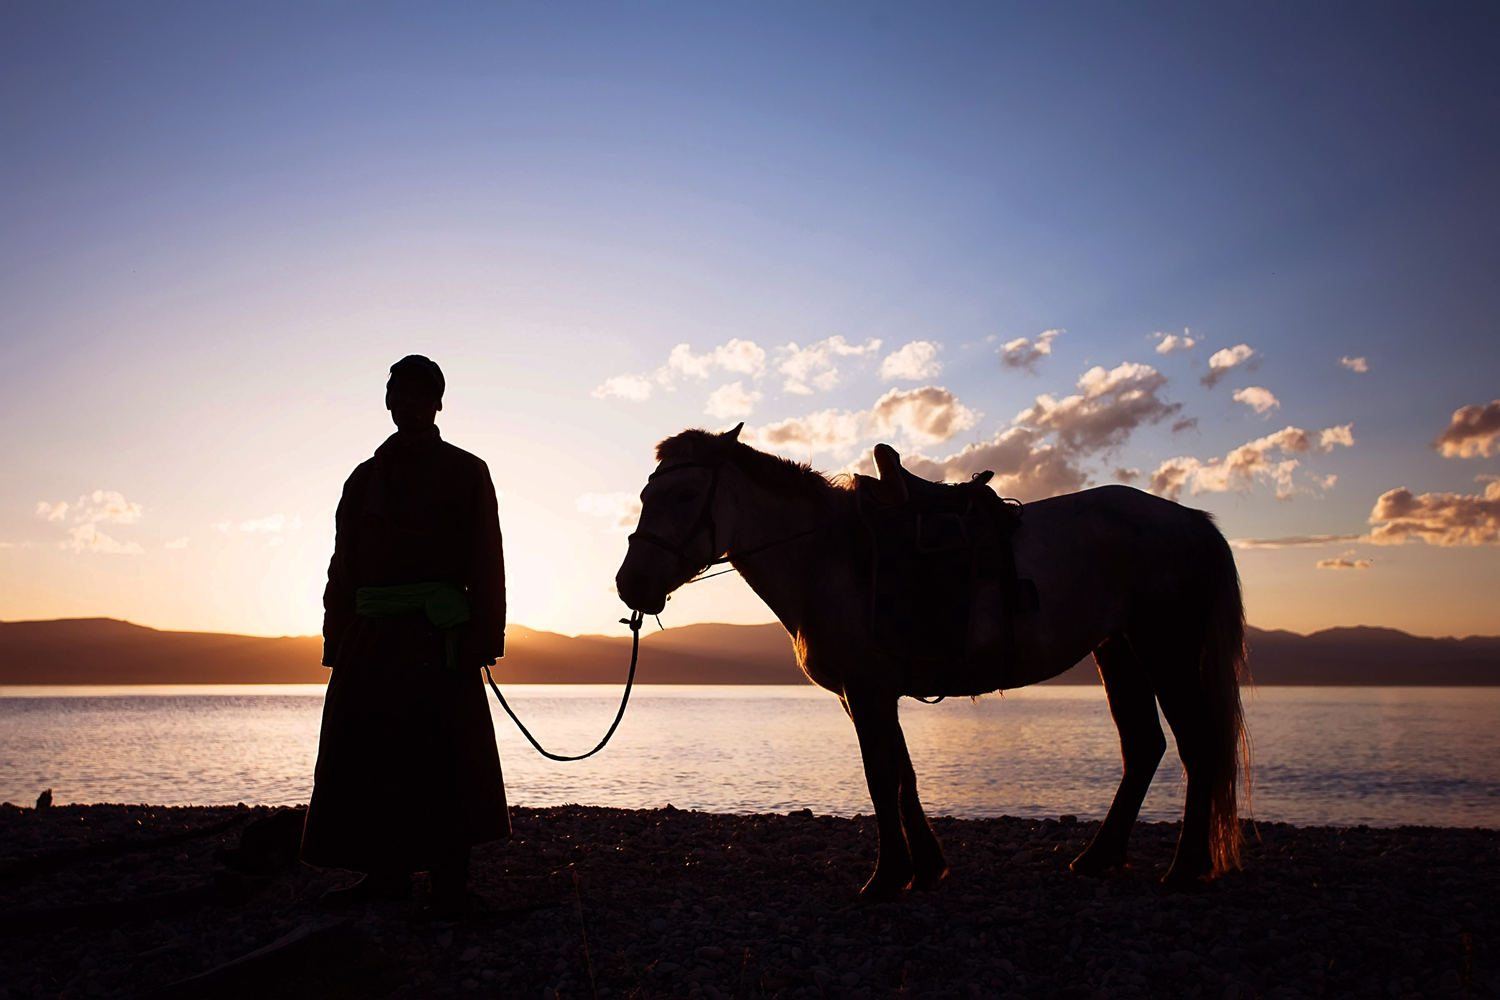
(605, 635)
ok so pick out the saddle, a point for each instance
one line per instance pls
(938, 550)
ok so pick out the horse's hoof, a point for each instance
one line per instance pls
(926, 883)
(1175, 882)
(928, 876)
(1095, 865)
(879, 890)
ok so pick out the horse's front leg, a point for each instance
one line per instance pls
(884, 752)
(928, 863)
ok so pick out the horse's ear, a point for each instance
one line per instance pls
(733, 434)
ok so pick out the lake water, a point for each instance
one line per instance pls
(1381, 756)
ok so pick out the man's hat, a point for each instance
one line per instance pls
(415, 366)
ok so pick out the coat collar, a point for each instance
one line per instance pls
(403, 443)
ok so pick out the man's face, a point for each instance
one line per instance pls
(413, 403)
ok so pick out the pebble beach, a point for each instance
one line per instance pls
(136, 901)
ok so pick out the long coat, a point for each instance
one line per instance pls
(408, 773)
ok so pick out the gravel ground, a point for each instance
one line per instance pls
(590, 902)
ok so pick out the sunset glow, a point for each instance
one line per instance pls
(1243, 258)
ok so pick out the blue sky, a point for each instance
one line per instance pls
(219, 226)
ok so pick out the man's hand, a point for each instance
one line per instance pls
(472, 654)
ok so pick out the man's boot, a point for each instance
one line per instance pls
(376, 887)
(450, 885)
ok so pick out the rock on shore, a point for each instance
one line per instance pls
(590, 902)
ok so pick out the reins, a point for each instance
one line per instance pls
(634, 621)
(705, 520)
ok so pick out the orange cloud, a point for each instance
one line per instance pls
(1171, 342)
(1472, 432)
(1446, 519)
(1250, 461)
(1342, 563)
(929, 414)
(1258, 398)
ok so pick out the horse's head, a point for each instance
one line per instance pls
(679, 532)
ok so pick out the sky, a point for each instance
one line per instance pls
(1239, 255)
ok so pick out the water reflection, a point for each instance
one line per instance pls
(1382, 756)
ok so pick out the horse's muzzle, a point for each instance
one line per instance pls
(638, 592)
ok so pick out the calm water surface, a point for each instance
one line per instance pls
(1382, 756)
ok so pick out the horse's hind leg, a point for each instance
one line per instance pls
(1132, 703)
(1174, 669)
(884, 752)
(1182, 704)
(928, 863)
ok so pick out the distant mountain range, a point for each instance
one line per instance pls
(108, 651)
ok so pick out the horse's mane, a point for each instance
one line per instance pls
(777, 474)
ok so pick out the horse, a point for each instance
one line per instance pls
(1148, 586)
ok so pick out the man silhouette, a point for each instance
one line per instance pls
(408, 777)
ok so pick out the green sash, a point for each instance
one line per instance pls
(445, 605)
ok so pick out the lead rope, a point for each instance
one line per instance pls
(634, 621)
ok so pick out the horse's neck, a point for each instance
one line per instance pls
(785, 573)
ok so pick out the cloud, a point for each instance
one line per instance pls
(631, 387)
(1171, 342)
(1295, 541)
(1250, 461)
(1221, 362)
(87, 538)
(731, 400)
(742, 357)
(1471, 433)
(1445, 519)
(1259, 399)
(101, 505)
(1126, 476)
(1111, 405)
(177, 543)
(929, 415)
(1025, 466)
(815, 366)
(1042, 453)
(52, 511)
(271, 524)
(915, 361)
(1343, 434)
(1342, 563)
(1185, 424)
(825, 430)
(623, 509)
(1025, 354)
(106, 505)
(1355, 364)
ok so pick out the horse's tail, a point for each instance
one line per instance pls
(1223, 668)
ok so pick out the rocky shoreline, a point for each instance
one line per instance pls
(125, 901)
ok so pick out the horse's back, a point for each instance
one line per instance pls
(1131, 530)
(1105, 560)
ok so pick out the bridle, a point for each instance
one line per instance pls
(705, 522)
